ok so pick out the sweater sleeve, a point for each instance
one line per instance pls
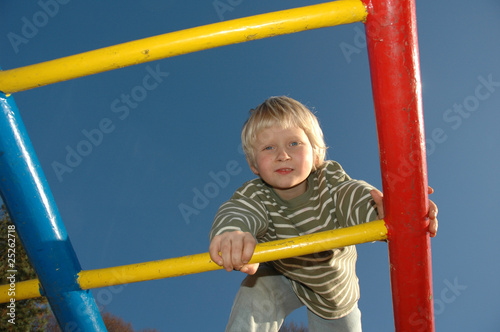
(353, 201)
(240, 214)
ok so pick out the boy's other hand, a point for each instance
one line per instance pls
(233, 251)
(433, 212)
(378, 198)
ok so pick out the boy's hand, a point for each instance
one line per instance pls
(378, 198)
(433, 212)
(236, 249)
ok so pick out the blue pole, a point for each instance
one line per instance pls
(29, 201)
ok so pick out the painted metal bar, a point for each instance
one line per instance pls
(264, 252)
(26, 194)
(182, 42)
(391, 33)
(24, 290)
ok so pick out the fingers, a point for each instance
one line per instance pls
(378, 198)
(430, 190)
(250, 269)
(214, 250)
(232, 250)
(248, 248)
(226, 253)
(433, 222)
(433, 227)
(433, 210)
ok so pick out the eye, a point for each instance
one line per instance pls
(294, 144)
(268, 148)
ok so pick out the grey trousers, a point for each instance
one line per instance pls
(266, 298)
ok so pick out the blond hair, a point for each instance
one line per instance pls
(284, 112)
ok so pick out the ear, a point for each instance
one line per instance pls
(316, 162)
(254, 170)
(252, 167)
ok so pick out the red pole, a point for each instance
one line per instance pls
(391, 33)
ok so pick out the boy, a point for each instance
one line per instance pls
(297, 193)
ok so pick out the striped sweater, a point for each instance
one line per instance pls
(325, 282)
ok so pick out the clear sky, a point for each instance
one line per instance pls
(166, 145)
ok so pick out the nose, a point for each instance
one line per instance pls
(282, 155)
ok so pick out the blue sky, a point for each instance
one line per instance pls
(178, 131)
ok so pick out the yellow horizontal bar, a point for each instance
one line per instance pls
(175, 267)
(22, 290)
(264, 252)
(182, 42)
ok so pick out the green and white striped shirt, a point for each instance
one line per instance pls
(325, 282)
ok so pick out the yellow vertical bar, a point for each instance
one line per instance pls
(182, 42)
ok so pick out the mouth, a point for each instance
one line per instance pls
(284, 171)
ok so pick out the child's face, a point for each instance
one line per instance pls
(284, 159)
